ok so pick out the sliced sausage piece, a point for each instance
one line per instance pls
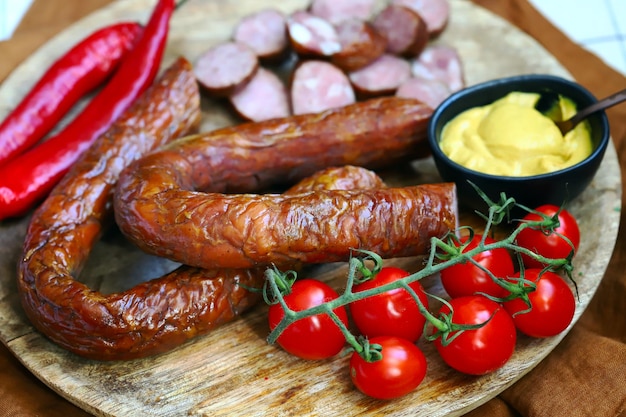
(265, 32)
(430, 92)
(317, 86)
(404, 29)
(226, 67)
(361, 44)
(336, 11)
(312, 36)
(440, 62)
(381, 77)
(264, 97)
(434, 12)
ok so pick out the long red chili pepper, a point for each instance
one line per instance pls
(80, 70)
(27, 179)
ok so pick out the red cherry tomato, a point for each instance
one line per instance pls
(482, 350)
(553, 305)
(467, 279)
(392, 313)
(401, 369)
(550, 245)
(315, 337)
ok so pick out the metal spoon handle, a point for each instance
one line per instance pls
(607, 102)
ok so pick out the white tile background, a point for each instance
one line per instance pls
(598, 25)
(11, 12)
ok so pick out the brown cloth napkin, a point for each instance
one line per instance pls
(584, 376)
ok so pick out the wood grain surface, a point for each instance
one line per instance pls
(233, 371)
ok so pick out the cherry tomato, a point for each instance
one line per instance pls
(401, 369)
(467, 279)
(315, 337)
(483, 350)
(553, 305)
(392, 313)
(550, 245)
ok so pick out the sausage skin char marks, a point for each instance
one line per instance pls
(159, 207)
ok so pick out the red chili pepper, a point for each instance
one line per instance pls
(26, 180)
(77, 72)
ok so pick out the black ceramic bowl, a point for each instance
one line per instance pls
(557, 187)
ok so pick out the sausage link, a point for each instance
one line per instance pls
(157, 315)
(65, 227)
(159, 209)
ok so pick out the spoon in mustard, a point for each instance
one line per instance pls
(548, 105)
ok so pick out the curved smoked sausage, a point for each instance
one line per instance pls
(65, 227)
(157, 315)
(159, 209)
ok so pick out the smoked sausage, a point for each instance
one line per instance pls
(317, 86)
(158, 206)
(264, 97)
(381, 77)
(404, 29)
(361, 44)
(265, 32)
(429, 91)
(154, 316)
(65, 227)
(337, 11)
(311, 36)
(226, 67)
(441, 63)
(434, 12)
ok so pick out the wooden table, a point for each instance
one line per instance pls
(518, 11)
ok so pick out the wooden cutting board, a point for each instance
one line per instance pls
(233, 371)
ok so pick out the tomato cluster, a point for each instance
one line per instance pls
(475, 329)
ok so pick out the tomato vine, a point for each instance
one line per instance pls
(444, 252)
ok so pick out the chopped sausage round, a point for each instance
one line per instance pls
(440, 62)
(434, 12)
(361, 44)
(312, 36)
(264, 97)
(404, 29)
(430, 92)
(317, 86)
(381, 77)
(226, 67)
(265, 32)
(336, 11)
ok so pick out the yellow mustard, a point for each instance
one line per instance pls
(509, 137)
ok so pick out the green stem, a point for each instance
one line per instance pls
(443, 254)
